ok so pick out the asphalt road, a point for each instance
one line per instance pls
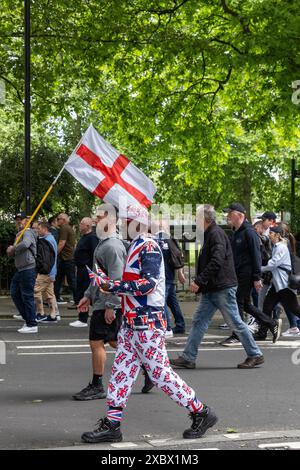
(43, 371)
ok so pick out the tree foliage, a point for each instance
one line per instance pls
(197, 93)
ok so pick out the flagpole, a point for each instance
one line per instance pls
(39, 205)
(47, 193)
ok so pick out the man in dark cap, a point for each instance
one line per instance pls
(268, 220)
(247, 259)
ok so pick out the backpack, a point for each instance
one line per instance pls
(45, 257)
(176, 258)
(294, 277)
(294, 274)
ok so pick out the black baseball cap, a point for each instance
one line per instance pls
(276, 229)
(235, 206)
(20, 215)
(268, 215)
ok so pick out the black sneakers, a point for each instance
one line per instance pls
(91, 392)
(276, 330)
(148, 385)
(201, 422)
(182, 362)
(47, 319)
(231, 341)
(105, 432)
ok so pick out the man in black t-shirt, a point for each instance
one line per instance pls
(83, 257)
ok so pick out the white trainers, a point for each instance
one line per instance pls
(291, 332)
(253, 327)
(18, 317)
(169, 334)
(78, 324)
(28, 329)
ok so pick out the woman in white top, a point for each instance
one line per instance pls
(280, 265)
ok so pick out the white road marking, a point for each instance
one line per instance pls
(57, 353)
(55, 346)
(250, 436)
(279, 445)
(124, 445)
(207, 448)
(213, 440)
(168, 349)
(52, 346)
(43, 341)
(237, 436)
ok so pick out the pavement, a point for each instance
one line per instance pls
(257, 409)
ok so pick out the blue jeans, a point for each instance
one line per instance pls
(293, 320)
(225, 301)
(22, 289)
(172, 302)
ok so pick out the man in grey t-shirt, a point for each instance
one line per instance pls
(110, 255)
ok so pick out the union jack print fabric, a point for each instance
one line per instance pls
(97, 279)
(136, 348)
(142, 286)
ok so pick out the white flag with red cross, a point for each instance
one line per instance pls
(107, 174)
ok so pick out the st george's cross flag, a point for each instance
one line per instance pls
(108, 174)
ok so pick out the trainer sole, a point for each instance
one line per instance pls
(278, 332)
(89, 398)
(92, 441)
(213, 420)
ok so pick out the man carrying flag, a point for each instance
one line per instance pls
(141, 340)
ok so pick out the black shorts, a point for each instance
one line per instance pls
(100, 330)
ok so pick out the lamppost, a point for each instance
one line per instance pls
(294, 174)
(27, 185)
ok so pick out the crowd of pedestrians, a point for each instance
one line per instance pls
(248, 276)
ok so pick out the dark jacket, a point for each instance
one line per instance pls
(215, 266)
(246, 252)
(84, 251)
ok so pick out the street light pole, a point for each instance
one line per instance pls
(293, 171)
(27, 184)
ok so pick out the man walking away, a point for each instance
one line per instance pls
(83, 256)
(23, 281)
(216, 280)
(248, 262)
(106, 318)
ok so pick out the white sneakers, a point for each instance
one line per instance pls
(253, 327)
(18, 317)
(28, 329)
(78, 324)
(291, 332)
(169, 334)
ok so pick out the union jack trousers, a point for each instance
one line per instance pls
(147, 348)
